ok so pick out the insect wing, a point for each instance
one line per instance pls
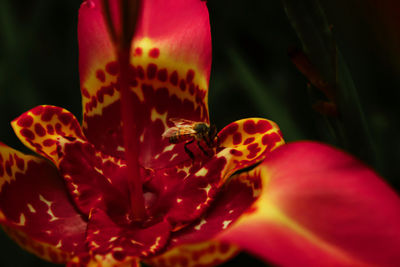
(170, 132)
(179, 130)
(179, 122)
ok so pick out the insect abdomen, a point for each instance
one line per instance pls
(178, 138)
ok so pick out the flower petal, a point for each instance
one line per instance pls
(193, 245)
(40, 129)
(104, 236)
(107, 260)
(90, 175)
(247, 142)
(171, 63)
(93, 179)
(206, 254)
(35, 209)
(188, 189)
(323, 208)
(232, 200)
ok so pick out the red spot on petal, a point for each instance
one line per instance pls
(119, 255)
(174, 78)
(211, 249)
(94, 101)
(112, 68)
(271, 139)
(151, 71)
(224, 248)
(28, 134)
(133, 83)
(40, 130)
(191, 89)
(85, 259)
(138, 51)
(20, 162)
(25, 121)
(140, 72)
(182, 85)
(65, 118)
(228, 130)
(154, 53)
(85, 93)
(50, 129)
(49, 142)
(37, 110)
(236, 152)
(253, 149)
(1, 170)
(59, 129)
(101, 76)
(189, 76)
(8, 168)
(263, 126)
(37, 146)
(237, 138)
(250, 127)
(48, 113)
(249, 140)
(162, 75)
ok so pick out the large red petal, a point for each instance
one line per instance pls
(171, 57)
(35, 207)
(320, 207)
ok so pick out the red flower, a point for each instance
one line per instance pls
(305, 204)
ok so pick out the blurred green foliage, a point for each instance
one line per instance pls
(252, 76)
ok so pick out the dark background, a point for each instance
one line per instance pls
(252, 75)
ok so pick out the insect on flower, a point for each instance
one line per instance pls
(190, 131)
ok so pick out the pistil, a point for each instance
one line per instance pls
(122, 38)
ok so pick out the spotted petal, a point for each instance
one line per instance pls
(323, 208)
(247, 142)
(105, 236)
(206, 254)
(35, 209)
(194, 244)
(108, 260)
(40, 129)
(171, 58)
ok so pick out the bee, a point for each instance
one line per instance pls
(189, 131)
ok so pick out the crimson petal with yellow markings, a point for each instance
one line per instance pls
(170, 69)
(319, 207)
(35, 209)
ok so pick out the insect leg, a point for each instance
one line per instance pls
(218, 141)
(202, 149)
(187, 150)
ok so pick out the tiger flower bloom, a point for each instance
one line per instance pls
(305, 204)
